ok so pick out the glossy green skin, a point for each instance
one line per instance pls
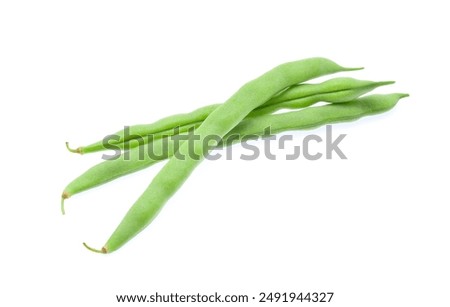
(303, 119)
(293, 93)
(345, 89)
(218, 123)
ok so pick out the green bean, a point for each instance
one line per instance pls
(218, 123)
(346, 89)
(161, 126)
(335, 90)
(309, 118)
(166, 125)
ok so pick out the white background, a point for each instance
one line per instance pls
(373, 229)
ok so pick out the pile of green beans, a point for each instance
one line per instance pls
(247, 113)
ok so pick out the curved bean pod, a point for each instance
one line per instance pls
(309, 118)
(335, 90)
(161, 126)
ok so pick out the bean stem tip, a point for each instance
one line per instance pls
(78, 150)
(62, 206)
(100, 251)
(64, 196)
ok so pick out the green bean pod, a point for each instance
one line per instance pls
(346, 89)
(162, 126)
(218, 123)
(335, 90)
(309, 118)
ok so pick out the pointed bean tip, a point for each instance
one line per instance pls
(352, 68)
(385, 82)
(403, 95)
